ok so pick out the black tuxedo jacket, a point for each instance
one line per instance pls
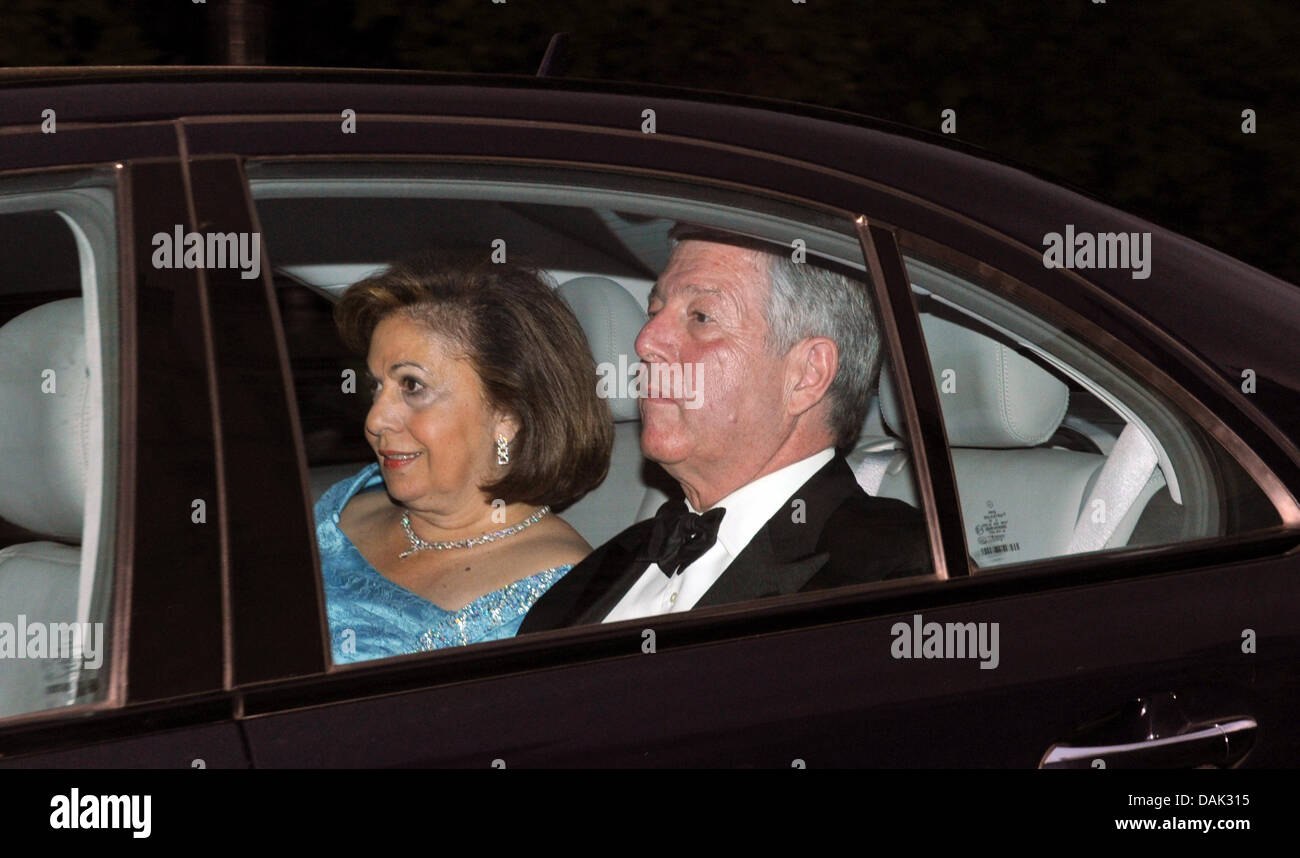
(842, 536)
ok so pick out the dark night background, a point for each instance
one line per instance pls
(1138, 103)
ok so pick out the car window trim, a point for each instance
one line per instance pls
(255, 590)
(919, 399)
(154, 183)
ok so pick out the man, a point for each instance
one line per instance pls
(778, 360)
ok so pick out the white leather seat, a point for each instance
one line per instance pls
(611, 319)
(1019, 501)
(46, 457)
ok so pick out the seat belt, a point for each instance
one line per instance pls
(1123, 476)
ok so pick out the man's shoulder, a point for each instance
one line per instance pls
(628, 537)
(571, 597)
(877, 510)
(843, 503)
(871, 539)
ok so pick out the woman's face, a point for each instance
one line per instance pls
(429, 424)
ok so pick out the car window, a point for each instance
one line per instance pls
(1057, 448)
(58, 398)
(601, 241)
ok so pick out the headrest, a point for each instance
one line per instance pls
(992, 397)
(47, 407)
(611, 319)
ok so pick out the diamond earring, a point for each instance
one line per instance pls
(503, 450)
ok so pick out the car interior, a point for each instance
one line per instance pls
(1049, 460)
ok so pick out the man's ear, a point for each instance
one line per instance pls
(811, 367)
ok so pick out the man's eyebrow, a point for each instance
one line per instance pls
(693, 288)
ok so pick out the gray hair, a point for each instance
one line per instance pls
(806, 300)
(809, 301)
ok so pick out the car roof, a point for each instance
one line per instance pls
(136, 94)
(135, 109)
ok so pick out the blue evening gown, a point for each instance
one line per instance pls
(371, 617)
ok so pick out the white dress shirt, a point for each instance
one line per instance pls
(748, 508)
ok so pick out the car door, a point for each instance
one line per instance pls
(1139, 652)
(150, 584)
(1199, 632)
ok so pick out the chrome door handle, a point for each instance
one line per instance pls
(1220, 742)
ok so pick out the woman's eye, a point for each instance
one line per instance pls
(408, 384)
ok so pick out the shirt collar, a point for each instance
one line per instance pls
(750, 506)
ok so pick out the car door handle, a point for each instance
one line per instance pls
(1220, 743)
(1154, 731)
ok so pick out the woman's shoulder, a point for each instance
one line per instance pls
(554, 545)
(336, 497)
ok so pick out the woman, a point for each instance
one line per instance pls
(484, 415)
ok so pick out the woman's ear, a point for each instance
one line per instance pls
(507, 425)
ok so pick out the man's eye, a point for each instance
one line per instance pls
(701, 317)
(412, 385)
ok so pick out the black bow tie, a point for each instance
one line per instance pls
(680, 537)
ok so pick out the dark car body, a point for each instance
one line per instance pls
(219, 649)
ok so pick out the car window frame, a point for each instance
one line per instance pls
(129, 706)
(846, 221)
(79, 212)
(277, 139)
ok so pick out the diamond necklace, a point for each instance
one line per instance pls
(418, 544)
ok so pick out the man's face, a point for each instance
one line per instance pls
(707, 314)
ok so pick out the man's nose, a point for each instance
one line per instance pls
(655, 341)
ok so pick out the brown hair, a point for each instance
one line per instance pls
(527, 348)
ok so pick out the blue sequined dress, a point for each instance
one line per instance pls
(371, 617)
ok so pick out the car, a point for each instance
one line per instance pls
(1096, 416)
